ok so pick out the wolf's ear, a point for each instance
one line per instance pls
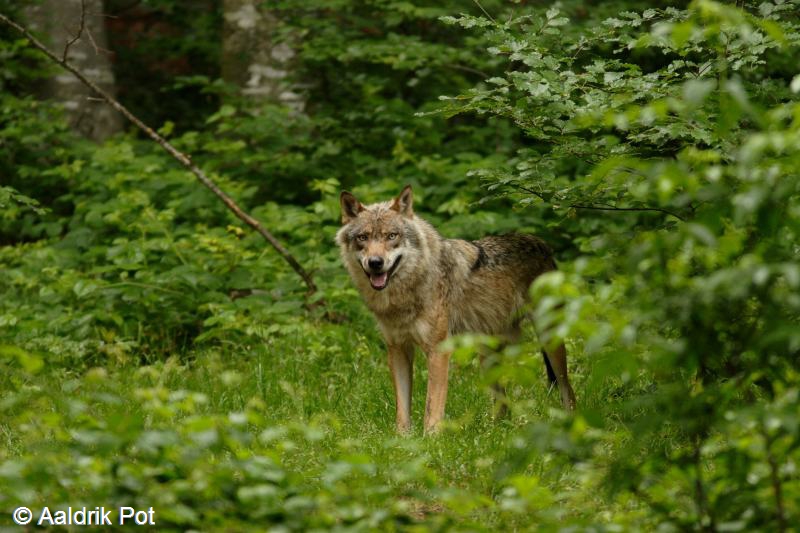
(351, 207)
(403, 203)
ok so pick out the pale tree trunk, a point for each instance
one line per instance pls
(252, 56)
(79, 28)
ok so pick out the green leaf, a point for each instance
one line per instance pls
(84, 288)
(795, 85)
(31, 363)
(696, 91)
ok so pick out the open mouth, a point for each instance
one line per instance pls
(381, 279)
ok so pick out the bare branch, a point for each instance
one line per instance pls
(78, 35)
(182, 158)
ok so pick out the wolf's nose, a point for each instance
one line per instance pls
(375, 263)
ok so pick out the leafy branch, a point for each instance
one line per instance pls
(604, 207)
(179, 156)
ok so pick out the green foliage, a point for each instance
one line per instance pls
(154, 352)
(689, 132)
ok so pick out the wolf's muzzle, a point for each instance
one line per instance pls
(379, 280)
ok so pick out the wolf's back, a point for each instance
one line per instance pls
(488, 298)
(519, 254)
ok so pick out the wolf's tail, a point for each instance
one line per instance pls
(551, 375)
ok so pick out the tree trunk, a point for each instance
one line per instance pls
(252, 56)
(79, 28)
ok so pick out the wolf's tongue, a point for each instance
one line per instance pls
(378, 281)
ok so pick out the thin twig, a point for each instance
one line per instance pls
(97, 49)
(182, 158)
(528, 190)
(578, 51)
(775, 478)
(484, 11)
(140, 285)
(705, 67)
(465, 68)
(615, 208)
(80, 32)
(700, 493)
(603, 207)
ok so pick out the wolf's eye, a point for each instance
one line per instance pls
(392, 236)
(362, 237)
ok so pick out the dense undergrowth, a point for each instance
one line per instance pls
(154, 353)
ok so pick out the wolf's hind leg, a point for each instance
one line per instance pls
(557, 359)
(401, 365)
(489, 360)
(500, 401)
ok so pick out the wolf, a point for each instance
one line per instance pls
(422, 287)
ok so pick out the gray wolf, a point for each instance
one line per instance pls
(422, 287)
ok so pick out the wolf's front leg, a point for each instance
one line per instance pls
(401, 365)
(438, 370)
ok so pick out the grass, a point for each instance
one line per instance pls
(316, 401)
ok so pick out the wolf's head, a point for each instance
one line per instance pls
(379, 238)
